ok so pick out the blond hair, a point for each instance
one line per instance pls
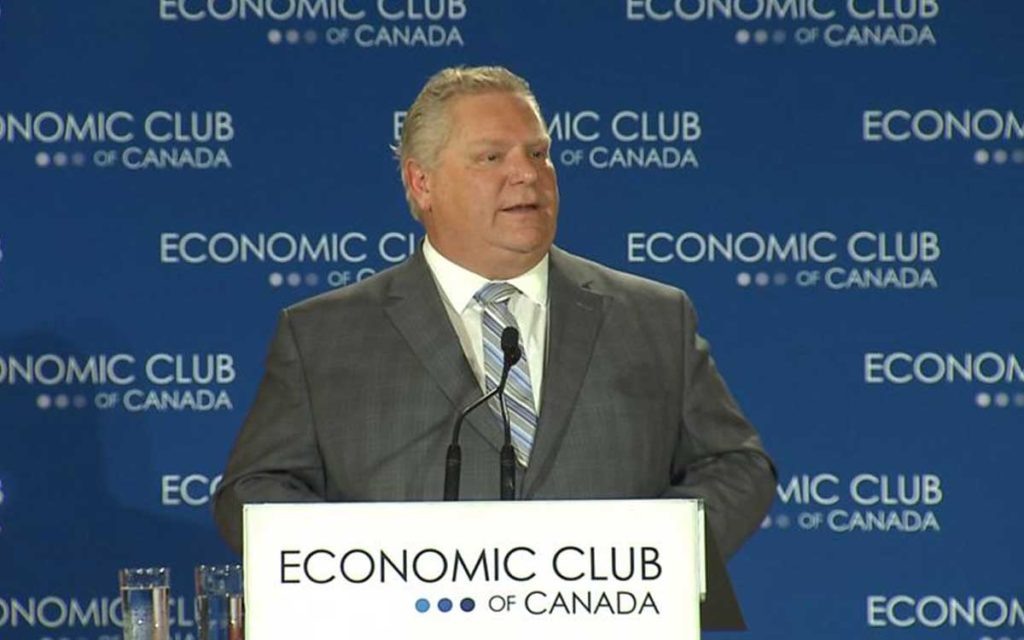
(428, 123)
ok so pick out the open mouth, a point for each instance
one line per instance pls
(521, 208)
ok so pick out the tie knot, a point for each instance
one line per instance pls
(495, 293)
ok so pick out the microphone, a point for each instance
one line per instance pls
(510, 348)
(453, 460)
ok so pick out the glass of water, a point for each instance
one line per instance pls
(144, 602)
(220, 607)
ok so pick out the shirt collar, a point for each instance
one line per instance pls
(459, 284)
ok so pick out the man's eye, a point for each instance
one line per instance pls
(540, 154)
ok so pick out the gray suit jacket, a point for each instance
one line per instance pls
(363, 384)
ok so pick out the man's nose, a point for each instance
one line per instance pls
(522, 169)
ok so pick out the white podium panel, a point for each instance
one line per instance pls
(461, 570)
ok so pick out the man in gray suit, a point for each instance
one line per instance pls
(616, 395)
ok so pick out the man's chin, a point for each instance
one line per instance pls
(527, 244)
(525, 233)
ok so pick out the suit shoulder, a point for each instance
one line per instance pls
(365, 294)
(619, 284)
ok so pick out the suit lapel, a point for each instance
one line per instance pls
(573, 324)
(415, 308)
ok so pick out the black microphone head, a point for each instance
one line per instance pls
(510, 346)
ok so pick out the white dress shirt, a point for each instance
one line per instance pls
(530, 308)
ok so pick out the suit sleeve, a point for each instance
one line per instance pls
(275, 457)
(719, 456)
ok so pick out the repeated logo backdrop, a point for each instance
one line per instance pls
(837, 183)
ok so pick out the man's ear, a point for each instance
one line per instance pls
(418, 180)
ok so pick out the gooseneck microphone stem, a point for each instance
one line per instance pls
(507, 470)
(453, 459)
(508, 456)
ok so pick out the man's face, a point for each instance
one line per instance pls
(491, 202)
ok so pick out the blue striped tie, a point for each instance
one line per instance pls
(494, 297)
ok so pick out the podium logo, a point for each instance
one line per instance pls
(803, 23)
(991, 368)
(1, 261)
(524, 567)
(995, 134)
(865, 502)
(124, 381)
(365, 24)
(821, 259)
(290, 260)
(444, 605)
(155, 141)
(935, 611)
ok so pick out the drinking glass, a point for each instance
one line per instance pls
(144, 594)
(220, 606)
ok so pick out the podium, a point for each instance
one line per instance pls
(459, 570)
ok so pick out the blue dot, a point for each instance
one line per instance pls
(444, 604)
(422, 605)
(467, 604)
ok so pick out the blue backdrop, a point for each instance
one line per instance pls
(837, 184)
